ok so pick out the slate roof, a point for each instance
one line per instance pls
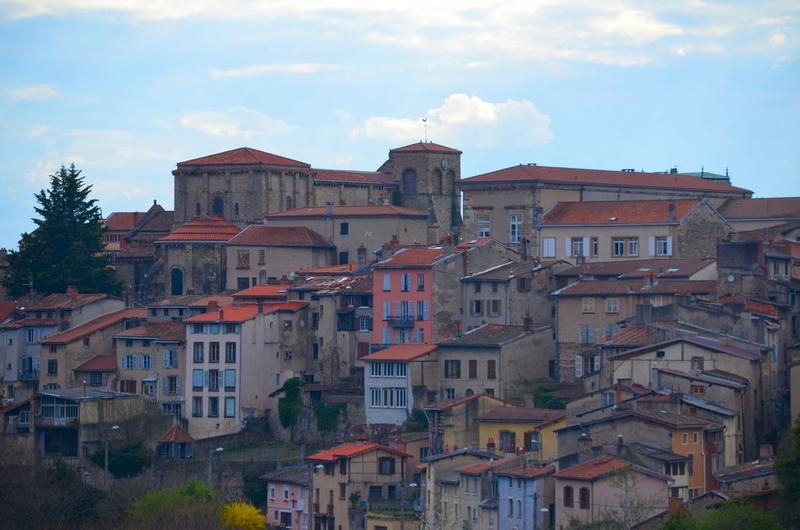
(657, 453)
(488, 335)
(505, 271)
(212, 229)
(600, 177)
(243, 156)
(762, 208)
(746, 471)
(425, 147)
(366, 210)
(97, 324)
(617, 212)
(279, 236)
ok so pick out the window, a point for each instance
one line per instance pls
(587, 304)
(230, 407)
(584, 499)
(491, 370)
(342, 490)
(523, 284)
(375, 492)
(484, 223)
(170, 359)
(663, 246)
(52, 366)
(129, 362)
(213, 352)
(567, 496)
(594, 247)
(31, 336)
(452, 369)
(576, 245)
(128, 386)
(197, 380)
(633, 246)
(420, 281)
(230, 380)
(197, 406)
(213, 407)
(405, 282)
(548, 247)
(172, 387)
(587, 334)
(364, 324)
(532, 441)
(96, 378)
(386, 466)
(213, 380)
(508, 441)
(477, 307)
(511, 507)
(494, 308)
(690, 467)
(697, 363)
(618, 247)
(242, 283)
(612, 305)
(147, 362)
(86, 342)
(344, 257)
(514, 228)
(197, 355)
(684, 438)
(695, 437)
(473, 369)
(449, 394)
(344, 229)
(230, 352)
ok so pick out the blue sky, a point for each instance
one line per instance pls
(127, 89)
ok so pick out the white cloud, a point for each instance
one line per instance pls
(33, 92)
(777, 38)
(467, 121)
(259, 69)
(239, 122)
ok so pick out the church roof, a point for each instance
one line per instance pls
(202, 229)
(363, 210)
(425, 147)
(347, 175)
(243, 156)
(279, 236)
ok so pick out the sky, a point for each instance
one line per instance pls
(125, 89)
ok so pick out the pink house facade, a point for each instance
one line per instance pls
(608, 487)
(287, 498)
(402, 297)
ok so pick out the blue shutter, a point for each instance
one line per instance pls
(205, 379)
(164, 386)
(425, 310)
(178, 385)
(165, 359)
(140, 361)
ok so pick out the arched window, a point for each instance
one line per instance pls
(469, 392)
(289, 202)
(197, 210)
(567, 498)
(236, 209)
(409, 181)
(176, 282)
(584, 499)
(438, 182)
(217, 206)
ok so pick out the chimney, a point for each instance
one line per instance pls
(72, 291)
(155, 202)
(671, 210)
(490, 446)
(212, 305)
(673, 171)
(584, 447)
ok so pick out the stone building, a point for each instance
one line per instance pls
(509, 203)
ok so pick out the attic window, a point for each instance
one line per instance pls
(660, 354)
(672, 269)
(613, 219)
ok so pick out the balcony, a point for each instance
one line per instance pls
(401, 321)
(28, 376)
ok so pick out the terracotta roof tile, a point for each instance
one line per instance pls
(529, 471)
(482, 467)
(98, 363)
(243, 156)
(446, 405)
(279, 236)
(412, 257)
(98, 324)
(334, 270)
(521, 414)
(401, 352)
(122, 221)
(367, 210)
(600, 177)
(594, 469)
(267, 290)
(227, 314)
(764, 208)
(616, 212)
(176, 433)
(158, 331)
(7, 309)
(636, 335)
(350, 450)
(725, 345)
(636, 286)
(346, 175)
(211, 228)
(425, 147)
(29, 322)
(639, 268)
(67, 301)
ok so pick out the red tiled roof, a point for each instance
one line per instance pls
(222, 300)
(765, 208)
(529, 471)
(637, 286)
(98, 324)
(730, 346)
(361, 177)
(122, 221)
(279, 236)
(521, 414)
(350, 450)
(290, 307)
(67, 301)
(29, 322)
(7, 309)
(472, 243)
(754, 306)
(425, 147)
(267, 290)
(203, 229)
(243, 155)
(635, 335)
(98, 363)
(334, 270)
(616, 212)
(594, 469)
(482, 467)
(640, 268)
(227, 314)
(457, 402)
(159, 331)
(401, 352)
(600, 177)
(412, 257)
(176, 433)
(366, 210)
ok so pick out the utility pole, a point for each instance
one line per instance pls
(211, 452)
(105, 467)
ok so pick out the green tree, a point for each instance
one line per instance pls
(787, 468)
(66, 248)
(124, 462)
(291, 404)
(739, 515)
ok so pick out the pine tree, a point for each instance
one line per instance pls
(66, 248)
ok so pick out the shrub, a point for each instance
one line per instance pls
(242, 516)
